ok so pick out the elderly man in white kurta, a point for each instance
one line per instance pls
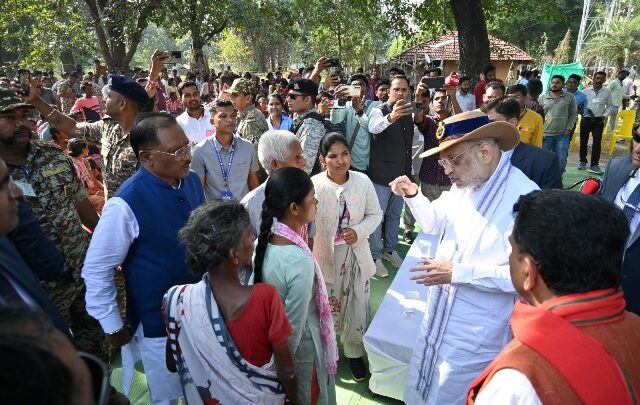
(470, 297)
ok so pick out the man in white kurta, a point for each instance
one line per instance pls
(473, 220)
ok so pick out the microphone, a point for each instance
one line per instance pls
(591, 186)
(588, 185)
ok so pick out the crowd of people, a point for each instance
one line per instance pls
(225, 230)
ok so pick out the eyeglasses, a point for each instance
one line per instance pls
(449, 162)
(181, 154)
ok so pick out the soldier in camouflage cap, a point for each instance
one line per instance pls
(125, 100)
(52, 190)
(251, 122)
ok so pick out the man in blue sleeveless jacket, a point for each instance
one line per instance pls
(139, 231)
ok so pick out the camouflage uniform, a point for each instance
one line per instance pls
(57, 189)
(119, 161)
(310, 132)
(67, 96)
(252, 124)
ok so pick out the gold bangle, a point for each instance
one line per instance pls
(50, 114)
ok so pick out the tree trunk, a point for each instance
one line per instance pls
(619, 66)
(473, 38)
(117, 44)
(68, 63)
(198, 60)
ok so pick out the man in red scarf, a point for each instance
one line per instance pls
(573, 341)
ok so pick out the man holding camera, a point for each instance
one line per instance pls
(391, 125)
(355, 115)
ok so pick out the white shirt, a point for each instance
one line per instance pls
(625, 192)
(116, 231)
(627, 86)
(508, 387)
(196, 129)
(377, 121)
(467, 102)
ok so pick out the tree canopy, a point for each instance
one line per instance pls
(262, 35)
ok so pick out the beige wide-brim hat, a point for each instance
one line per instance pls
(472, 125)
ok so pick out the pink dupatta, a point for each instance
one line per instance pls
(329, 344)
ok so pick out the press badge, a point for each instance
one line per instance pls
(27, 189)
(227, 195)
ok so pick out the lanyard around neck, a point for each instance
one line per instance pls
(225, 173)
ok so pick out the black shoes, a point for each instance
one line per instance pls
(408, 237)
(359, 370)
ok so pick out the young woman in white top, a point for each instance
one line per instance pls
(348, 212)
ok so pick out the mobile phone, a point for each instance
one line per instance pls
(176, 57)
(354, 91)
(337, 103)
(433, 82)
(416, 107)
(24, 77)
(334, 62)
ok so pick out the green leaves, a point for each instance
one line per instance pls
(36, 33)
(618, 43)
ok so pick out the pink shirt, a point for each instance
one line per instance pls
(92, 103)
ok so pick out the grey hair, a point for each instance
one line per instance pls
(213, 230)
(275, 145)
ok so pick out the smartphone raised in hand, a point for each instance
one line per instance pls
(433, 82)
(24, 77)
(416, 107)
(173, 57)
(354, 91)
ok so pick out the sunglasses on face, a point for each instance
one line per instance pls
(295, 96)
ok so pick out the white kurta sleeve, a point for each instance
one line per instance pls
(483, 276)
(426, 213)
(508, 387)
(116, 231)
(494, 276)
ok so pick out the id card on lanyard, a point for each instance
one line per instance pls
(226, 194)
(24, 185)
